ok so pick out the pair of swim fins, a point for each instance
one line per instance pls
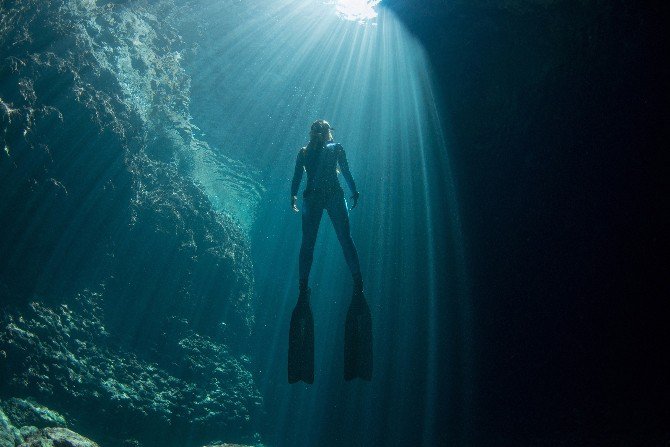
(357, 341)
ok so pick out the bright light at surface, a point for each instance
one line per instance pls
(357, 10)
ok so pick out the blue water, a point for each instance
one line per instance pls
(508, 226)
(149, 240)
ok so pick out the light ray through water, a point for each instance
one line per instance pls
(263, 73)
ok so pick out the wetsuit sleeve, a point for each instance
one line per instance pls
(297, 172)
(344, 168)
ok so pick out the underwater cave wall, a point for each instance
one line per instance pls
(125, 294)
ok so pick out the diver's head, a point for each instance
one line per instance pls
(320, 131)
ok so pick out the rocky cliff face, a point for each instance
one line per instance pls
(25, 423)
(121, 285)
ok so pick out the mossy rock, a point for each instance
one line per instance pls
(9, 435)
(24, 412)
(57, 437)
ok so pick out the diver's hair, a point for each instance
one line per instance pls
(316, 141)
(319, 138)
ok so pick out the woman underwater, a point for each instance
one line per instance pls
(322, 159)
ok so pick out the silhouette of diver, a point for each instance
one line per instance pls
(322, 159)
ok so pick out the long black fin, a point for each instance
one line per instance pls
(301, 342)
(358, 340)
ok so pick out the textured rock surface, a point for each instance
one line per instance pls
(112, 152)
(9, 435)
(57, 437)
(28, 430)
(64, 352)
(24, 412)
(104, 224)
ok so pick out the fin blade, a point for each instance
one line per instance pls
(358, 341)
(301, 345)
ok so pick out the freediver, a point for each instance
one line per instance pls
(323, 159)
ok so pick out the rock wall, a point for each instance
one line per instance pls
(16, 414)
(196, 389)
(125, 294)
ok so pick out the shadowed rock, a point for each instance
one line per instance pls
(9, 435)
(24, 412)
(57, 437)
(64, 353)
(96, 193)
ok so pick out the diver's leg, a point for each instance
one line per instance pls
(339, 215)
(311, 218)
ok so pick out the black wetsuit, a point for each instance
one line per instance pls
(323, 191)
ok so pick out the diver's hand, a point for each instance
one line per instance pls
(294, 206)
(355, 199)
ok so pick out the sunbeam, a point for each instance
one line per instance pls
(257, 83)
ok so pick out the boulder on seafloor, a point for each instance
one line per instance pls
(25, 412)
(9, 435)
(28, 430)
(57, 437)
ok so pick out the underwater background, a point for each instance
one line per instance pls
(510, 160)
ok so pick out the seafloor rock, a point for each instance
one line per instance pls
(9, 435)
(196, 386)
(28, 430)
(57, 437)
(24, 412)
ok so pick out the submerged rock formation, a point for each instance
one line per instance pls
(9, 435)
(94, 120)
(197, 387)
(121, 284)
(57, 437)
(23, 413)
(56, 434)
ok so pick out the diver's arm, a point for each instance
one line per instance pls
(344, 167)
(297, 178)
